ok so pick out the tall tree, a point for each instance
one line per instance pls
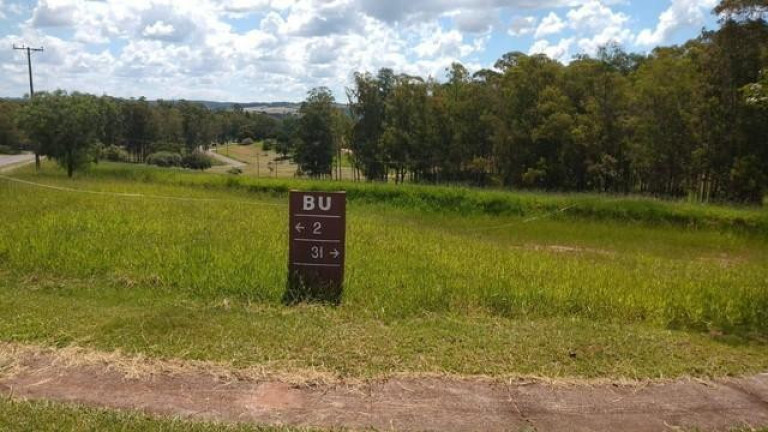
(139, 129)
(64, 126)
(316, 145)
(367, 104)
(9, 134)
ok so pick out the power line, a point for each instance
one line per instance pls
(29, 51)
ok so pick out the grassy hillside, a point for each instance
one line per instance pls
(469, 201)
(177, 264)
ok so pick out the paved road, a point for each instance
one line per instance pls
(226, 160)
(6, 161)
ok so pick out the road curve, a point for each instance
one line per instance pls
(230, 162)
(9, 161)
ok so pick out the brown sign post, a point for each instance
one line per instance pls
(317, 246)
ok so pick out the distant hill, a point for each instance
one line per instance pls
(274, 109)
(250, 106)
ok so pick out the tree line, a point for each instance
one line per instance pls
(688, 120)
(75, 129)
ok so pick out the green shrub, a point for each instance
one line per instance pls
(197, 160)
(167, 146)
(268, 145)
(235, 171)
(6, 150)
(164, 159)
(748, 182)
(115, 154)
(246, 142)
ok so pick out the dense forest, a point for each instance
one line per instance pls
(683, 121)
(686, 120)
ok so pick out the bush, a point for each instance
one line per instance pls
(6, 150)
(164, 159)
(115, 154)
(235, 171)
(167, 146)
(197, 160)
(268, 145)
(747, 181)
(246, 142)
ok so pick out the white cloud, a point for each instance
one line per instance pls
(594, 15)
(278, 49)
(609, 35)
(171, 47)
(158, 30)
(240, 8)
(680, 14)
(598, 25)
(475, 20)
(404, 11)
(522, 26)
(593, 24)
(437, 42)
(560, 51)
(551, 24)
(54, 13)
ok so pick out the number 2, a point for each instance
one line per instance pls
(317, 228)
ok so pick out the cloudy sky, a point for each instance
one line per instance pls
(275, 50)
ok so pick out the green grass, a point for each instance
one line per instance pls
(22, 416)
(242, 153)
(18, 416)
(426, 290)
(270, 163)
(350, 342)
(467, 201)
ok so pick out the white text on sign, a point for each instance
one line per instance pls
(321, 202)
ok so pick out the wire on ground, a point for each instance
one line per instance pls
(136, 195)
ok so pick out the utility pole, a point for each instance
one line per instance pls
(29, 51)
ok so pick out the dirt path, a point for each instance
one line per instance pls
(228, 161)
(8, 162)
(396, 404)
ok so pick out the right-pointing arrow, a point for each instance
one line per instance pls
(335, 253)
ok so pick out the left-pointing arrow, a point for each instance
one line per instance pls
(299, 228)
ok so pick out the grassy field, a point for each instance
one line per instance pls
(193, 266)
(265, 164)
(472, 202)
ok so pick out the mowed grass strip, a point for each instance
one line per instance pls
(42, 416)
(349, 343)
(426, 292)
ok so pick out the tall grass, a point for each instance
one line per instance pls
(469, 201)
(401, 262)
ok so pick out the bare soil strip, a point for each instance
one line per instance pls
(441, 404)
(226, 160)
(8, 163)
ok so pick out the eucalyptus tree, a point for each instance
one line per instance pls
(315, 146)
(64, 126)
